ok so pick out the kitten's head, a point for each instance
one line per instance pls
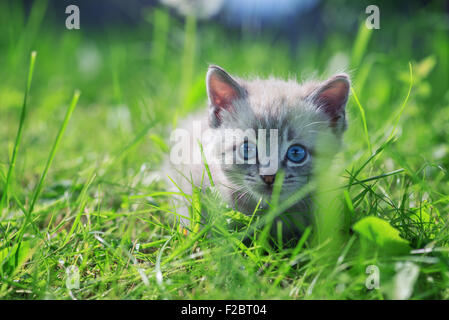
(293, 116)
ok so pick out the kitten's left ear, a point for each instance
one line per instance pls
(331, 97)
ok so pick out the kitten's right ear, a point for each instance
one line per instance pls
(222, 91)
(331, 98)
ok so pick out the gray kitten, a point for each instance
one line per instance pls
(292, 115)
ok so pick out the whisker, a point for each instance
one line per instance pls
(316, 122)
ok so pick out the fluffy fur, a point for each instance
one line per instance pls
(300, 112)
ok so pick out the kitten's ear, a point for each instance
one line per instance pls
(222, 91)
(331, 97)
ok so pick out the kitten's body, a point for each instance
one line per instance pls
(300, 113)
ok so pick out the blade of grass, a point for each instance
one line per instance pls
(82, 204)
(12, 165)
(360, 45)
(362, 113)
(283, 270)
(404, 103)
(51, 156)
(371, 158)
(38, 189)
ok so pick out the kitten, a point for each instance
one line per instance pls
(244, 168)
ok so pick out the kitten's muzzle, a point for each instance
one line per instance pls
(268, 179)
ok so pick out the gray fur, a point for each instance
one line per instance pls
(296, 110)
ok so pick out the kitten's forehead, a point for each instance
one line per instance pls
(273, 94)
(278, 104)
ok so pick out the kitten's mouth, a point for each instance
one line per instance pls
(268, 190)
(264, 192)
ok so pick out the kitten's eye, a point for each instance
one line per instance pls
(296, 154)
(248, 150)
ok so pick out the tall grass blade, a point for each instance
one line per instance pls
(365, 126)
(51, 156)
(12, 164)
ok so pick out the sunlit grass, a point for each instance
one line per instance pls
(92, 197)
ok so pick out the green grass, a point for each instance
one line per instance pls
(77, 184)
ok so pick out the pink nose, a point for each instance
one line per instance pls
(268, 179)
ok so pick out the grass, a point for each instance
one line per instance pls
(78, 186)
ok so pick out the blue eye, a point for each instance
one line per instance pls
(296, 154)
(248, 150)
